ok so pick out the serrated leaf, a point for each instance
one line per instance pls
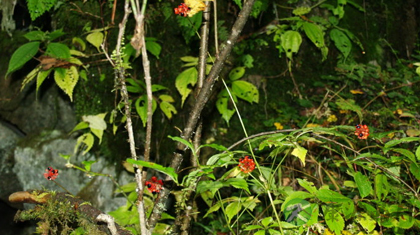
(246, 91)
(68, 81)
(236, 73)
(39, 7)
(233, 209)
(363, 184)
(95, 38)
(166, 170)
(334, 220)
(300, 152)
(366, 222)
(22, 55)
(58, 50)
(186, 79)
(168, 109)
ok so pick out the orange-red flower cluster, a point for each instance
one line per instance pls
(154, 185)
(246, 164)
(50, 173)
(182, 10)
(362, 131)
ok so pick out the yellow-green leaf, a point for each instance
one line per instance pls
(300, 153)
(66, 79)
(184, 80)
(95, 38)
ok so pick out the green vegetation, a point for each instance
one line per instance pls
(308, 71)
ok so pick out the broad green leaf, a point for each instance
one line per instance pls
(35, 36)
(58, 50)
(236, 73)
(130, 187)
(184, 142)
(168, 109)
(307, 185)
(141, 108)
(301, 11)
(96, 121)
(329, 196)
(157, 87)
(212, 209)
(221, 159)
(80, 126)
(186, 79)
(290, 41)
(382, 187)
(166, 98)
(297, 211)
(294, 195)
(363, 184)
(189, 59)
(233, 209)
(222, 106)
(246, 91)
(97, 133)
(95, 38)
(211, 186)
(334, 220)
(266, 221)
(366, 222)
(406, 153)
(154, 48)
(238, 183)
(415, 170)
(68, 81)
(300, 152)
(354, 39)
(88, 164)
(341, 41)
(166, 170)
(22, 55)
(254, 226)
(55, 34)
(316, 35)
(87, 139)
(348, 209)
(339, 10)
(405, 221)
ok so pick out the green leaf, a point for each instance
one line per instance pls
(38, 7)
(222, 106)
(184, 142)
(166, 170)
(35, 36)
(349, 104)
(22, 55)
(156, 87)
(297, 211)
(366, 222)
(153, 47)
(211, 186)
(392, 143)
(266, 221)
(307, 185)
(316, 35)
(58, 50)
(212, 209)
(141, 108)
(66, 81)
(238, 183)
(87, 164)
(329, 196)
(80, 126)
(248, 60)
(185, 79)
(221, 159)
(406, 153)
(290, 41)
(233, 209)
(341, 41)
(415, 170)
(334, 220)
(300, 152)
(301, 11)
(95, 121)
(95, 38)
(42, 75)
(56, 34)
(246, 91)
(382, 186)
(363, 184)
(87, 139)
(236, 73)
(79, 43)
(166, 98)
(168, 109)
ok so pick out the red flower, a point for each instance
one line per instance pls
(50, 173)
(154, 185)
(246, 165)
(362, 131)
(182, 10)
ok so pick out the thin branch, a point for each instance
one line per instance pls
(202, 100)
(109, 220)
